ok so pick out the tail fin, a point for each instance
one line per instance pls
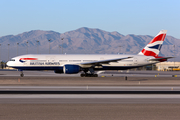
(154, 47)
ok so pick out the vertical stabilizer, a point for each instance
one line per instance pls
(153, 48)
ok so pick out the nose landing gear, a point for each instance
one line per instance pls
(21, 74)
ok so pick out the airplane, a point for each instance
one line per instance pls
(87, 64)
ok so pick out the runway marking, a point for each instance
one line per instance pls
(130, 96)
(89, 87)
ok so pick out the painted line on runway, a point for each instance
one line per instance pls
(89, 92)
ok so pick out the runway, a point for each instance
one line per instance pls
(158, 97)
(89, 111)
(89, 94)
(90, 99)
(48, 78)
(89, 88)
(103, 73)
(45, 87)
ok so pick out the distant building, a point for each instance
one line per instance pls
(168, 66)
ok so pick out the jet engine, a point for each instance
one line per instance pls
(71, 69)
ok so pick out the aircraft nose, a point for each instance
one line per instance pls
(8, 63)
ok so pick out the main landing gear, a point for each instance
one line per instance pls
(89, 73)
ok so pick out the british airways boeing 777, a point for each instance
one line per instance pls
(72, 64)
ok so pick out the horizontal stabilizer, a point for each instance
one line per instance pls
(158, 59)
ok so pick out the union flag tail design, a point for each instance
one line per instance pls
(153, 48)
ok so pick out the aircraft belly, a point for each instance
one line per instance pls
(119, 66)
(116, 67)
(39, 67)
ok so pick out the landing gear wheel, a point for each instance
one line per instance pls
(83, 75)
(22, 75)
(89, 75)
(95, 75)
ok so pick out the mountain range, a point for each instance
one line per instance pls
(81, 41)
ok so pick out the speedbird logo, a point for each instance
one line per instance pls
(24, 59)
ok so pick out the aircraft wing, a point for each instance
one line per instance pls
(163, 58)
(107, 61)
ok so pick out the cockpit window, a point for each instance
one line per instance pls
(12, 60)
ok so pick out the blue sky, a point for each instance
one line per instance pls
(140, 17)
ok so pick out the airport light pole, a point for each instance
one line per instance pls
(174, 55)
(62, 44)
(49, 45)
(27, 48)
(0, 52)
(59, 48)
(120, 49)
(8, 52)
(37, 47)
(17, 48)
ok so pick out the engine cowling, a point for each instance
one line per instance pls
(71, 69)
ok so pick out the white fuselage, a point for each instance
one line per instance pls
(57, 61)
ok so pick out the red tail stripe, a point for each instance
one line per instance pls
(28, 58)
(148, 53)
(158, 38)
